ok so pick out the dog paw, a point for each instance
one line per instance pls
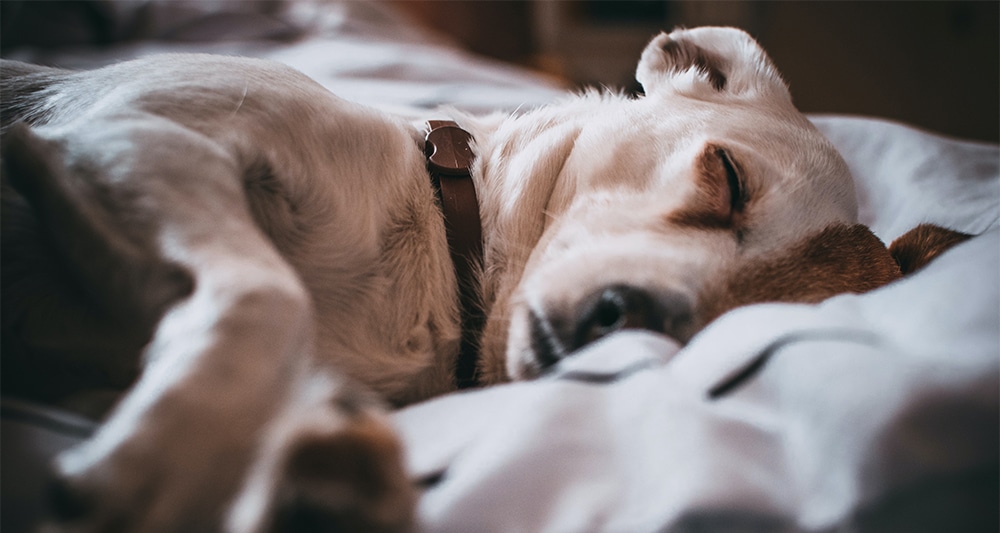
(329, 463)
(350, 480)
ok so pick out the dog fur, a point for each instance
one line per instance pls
(264, 264)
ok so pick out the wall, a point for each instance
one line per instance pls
(935, 64)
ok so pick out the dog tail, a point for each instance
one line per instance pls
(132, 284)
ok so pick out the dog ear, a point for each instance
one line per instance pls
(922, 244)
(706, 61)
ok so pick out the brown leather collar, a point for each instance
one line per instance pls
(449, 159)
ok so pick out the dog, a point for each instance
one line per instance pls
(266, 267)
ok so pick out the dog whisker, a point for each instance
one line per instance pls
(239, 105)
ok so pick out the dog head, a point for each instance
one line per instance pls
(710, 192)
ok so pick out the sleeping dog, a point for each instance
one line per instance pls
(265, 266)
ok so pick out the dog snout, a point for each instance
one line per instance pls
(555, 334)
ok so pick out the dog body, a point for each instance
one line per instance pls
(262, 207)
(327, 202)
(258, 239)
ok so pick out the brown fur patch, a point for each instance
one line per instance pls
(686, 55)
(922, 244)
(351, 480)
(837, 260)
(713, 205)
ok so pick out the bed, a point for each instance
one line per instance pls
(875, 412)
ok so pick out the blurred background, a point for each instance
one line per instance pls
(935, 64)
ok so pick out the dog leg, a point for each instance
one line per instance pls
(223, 363)
(175, 454)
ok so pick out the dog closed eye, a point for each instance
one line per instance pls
(720, 197)
(734, 179)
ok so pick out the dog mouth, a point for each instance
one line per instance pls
(557, 332)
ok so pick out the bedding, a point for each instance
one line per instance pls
(875, 412)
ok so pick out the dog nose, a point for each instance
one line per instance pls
(605, 311)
